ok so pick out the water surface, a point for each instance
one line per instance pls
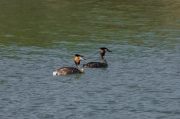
(38, 37)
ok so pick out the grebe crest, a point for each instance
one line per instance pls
(99, 64)
(71, 70)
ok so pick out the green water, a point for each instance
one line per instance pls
(40, 23)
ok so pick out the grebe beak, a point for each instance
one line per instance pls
(108, 50)
(83, 58)
(103, 48)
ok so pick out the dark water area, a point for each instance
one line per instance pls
(143, 75)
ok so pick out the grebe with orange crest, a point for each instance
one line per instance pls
(98, 64)
(71, 70)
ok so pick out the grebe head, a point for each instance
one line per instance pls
(103, 51)
(78, 58)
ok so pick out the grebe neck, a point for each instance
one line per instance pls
(103, 60)
(79, 68)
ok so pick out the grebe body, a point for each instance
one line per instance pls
(98, 64)
(66, 70)
(71, 70)
(95, 65)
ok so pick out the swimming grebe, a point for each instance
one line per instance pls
(98, 64)
(71, 70)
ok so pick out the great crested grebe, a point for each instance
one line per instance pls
(71, 70)
(98, 64)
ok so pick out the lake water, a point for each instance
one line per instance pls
(141, 82)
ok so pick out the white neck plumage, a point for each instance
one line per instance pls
(80, 69)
